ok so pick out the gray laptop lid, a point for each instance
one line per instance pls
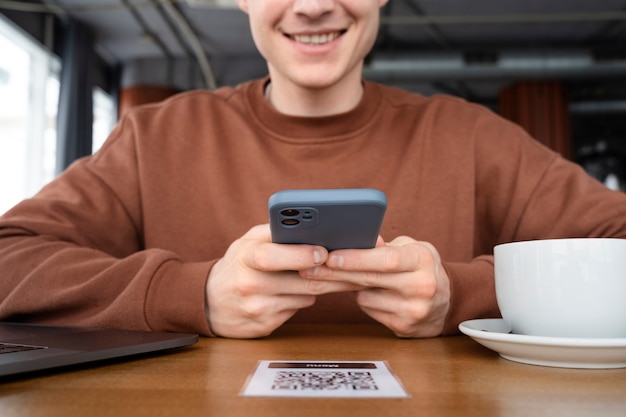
(30, 347)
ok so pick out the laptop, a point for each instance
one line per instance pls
(26, 348)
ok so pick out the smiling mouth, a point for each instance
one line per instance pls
(316, 39)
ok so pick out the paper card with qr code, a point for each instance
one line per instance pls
(353, 379)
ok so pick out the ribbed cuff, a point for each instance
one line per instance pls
(472, 292)
(176, 298)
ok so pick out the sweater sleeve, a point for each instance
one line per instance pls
(74, 254)
(524, 191)
(472, 292)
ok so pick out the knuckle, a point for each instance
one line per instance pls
(252, 311)
(260, 257)
(429, 253)
(402, 327)
(428, 288)
(308, 301)
(393, 259)
(246, 287)
(372, 279)
(315, 287)
(417, 311)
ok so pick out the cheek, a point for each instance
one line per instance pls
(367, 14)
(262, 31)
(367, 39)
(260, 36)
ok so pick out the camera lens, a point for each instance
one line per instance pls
(290, 222)
(290, 212)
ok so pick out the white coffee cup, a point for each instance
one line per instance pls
(563, 287)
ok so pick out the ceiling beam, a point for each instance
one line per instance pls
(566, 64)
(504, 18)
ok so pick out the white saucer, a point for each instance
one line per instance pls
(562, 352)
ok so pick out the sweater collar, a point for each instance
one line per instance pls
(295, 127)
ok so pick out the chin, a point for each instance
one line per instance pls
(315, 79)
(319, 75)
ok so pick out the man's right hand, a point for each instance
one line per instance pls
(256, 287)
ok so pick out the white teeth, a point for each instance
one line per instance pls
(316, 39)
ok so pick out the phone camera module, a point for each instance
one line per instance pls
(293, 217)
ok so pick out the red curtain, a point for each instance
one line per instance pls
(142, 94)
(541, 107)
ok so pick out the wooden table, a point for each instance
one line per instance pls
(452, 376)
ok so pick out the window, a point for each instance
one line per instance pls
(104, 117)
(29, 87)
(29, 94)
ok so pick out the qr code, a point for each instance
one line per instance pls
(324, 381)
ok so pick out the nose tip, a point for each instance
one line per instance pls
(313, 8)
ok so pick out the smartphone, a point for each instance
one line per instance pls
(334, 218)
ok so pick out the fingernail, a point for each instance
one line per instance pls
(317, 257)
(336, 261)
(309, 273)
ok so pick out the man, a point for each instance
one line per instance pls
(165, 228)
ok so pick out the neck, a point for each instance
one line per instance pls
(313, 102)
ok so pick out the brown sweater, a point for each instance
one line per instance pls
(126, 238)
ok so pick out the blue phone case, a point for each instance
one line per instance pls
(334, 218)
